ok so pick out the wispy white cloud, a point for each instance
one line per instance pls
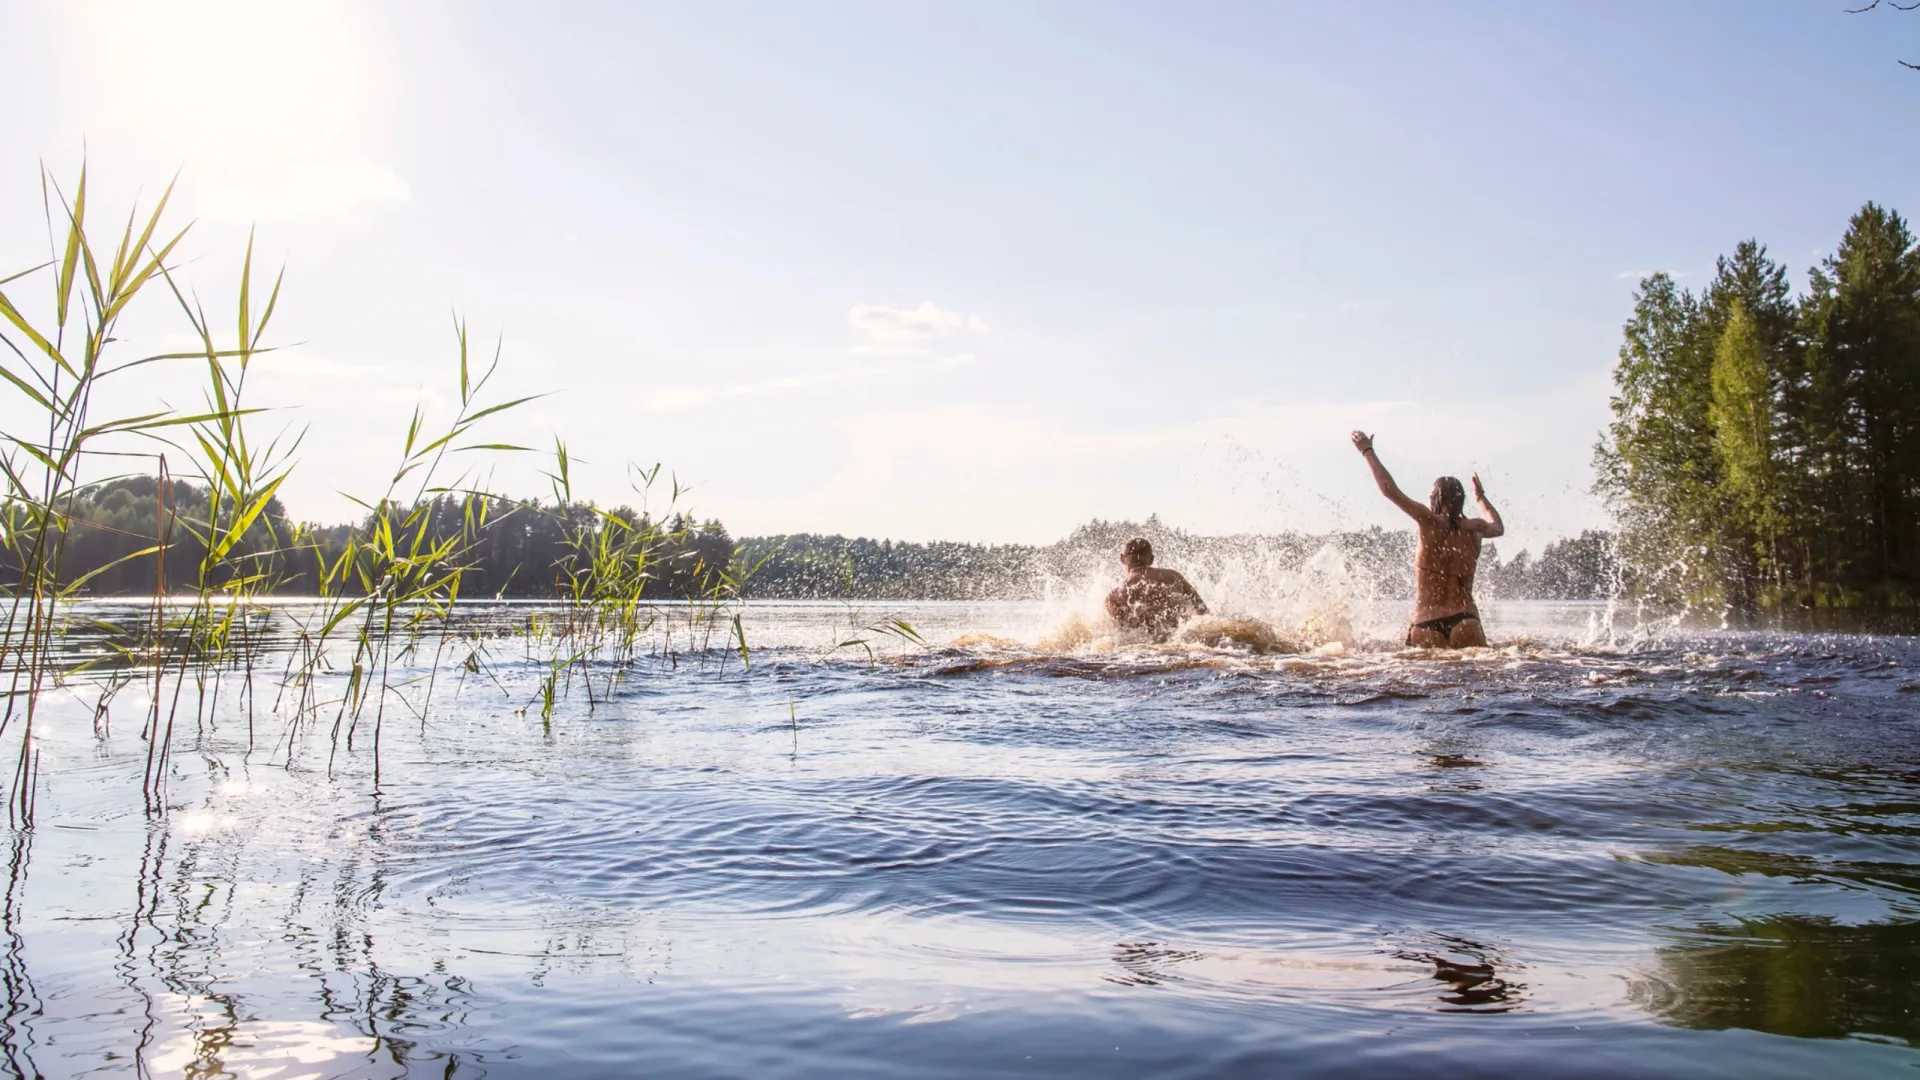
(892, 331)
(1641, 275)
(901, 333)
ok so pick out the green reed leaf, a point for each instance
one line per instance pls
(19, 321)
(36, 453)
(123, 284)
(200, 354)
(413, 434)
(29, 270)
(63, 288)
(157, 264)
(245, 520)
(76, 583)
(38, 398)
(273, 301)
(346, 610)
(460, 331)
(156, 421)
(216, 460)
(246, 297)
(502, 407)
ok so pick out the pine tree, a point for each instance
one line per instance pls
(1742, 412)
(1751, 285)
(1657, 465)
(1863, 383)
(1766, 450)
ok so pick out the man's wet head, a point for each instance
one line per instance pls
(1137, 554)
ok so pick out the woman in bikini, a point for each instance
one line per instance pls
(1444, 614)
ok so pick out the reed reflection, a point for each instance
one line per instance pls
(189, 953)
(23, 1002)
(1800, 975)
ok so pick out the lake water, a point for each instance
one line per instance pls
(1687, 854)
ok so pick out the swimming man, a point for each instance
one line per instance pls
(1151, 599)
(1444, 614)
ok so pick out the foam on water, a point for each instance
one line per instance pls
(1260, 602)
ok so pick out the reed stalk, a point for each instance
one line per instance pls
(57, 367)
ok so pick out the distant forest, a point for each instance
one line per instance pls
(810, 565)
(1765, 447)
(521, 549)
(525, 549)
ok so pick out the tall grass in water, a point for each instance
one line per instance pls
(612, 561)
(58, 366)
(385, 596)
(398, 574)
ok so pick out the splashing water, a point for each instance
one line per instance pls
(1263, 598)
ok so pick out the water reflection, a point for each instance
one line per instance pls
(23, 1002)
(190, 955)
(1442, 972)
(1446, 774)
(1471, 974)
(290, 1049)
(1800, 869)
(1148, 963)
(1790, 975)
(130, 964)
(1190, 847)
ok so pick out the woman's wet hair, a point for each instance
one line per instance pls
(1450, 498)
(1137, 552)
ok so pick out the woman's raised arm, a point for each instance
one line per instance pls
(1363, 442)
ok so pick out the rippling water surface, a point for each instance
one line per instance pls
(1695, 855)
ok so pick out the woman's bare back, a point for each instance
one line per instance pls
(1443, 568)
(1444, 613)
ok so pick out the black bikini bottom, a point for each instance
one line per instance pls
(1442, 626)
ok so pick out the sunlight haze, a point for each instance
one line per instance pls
(969, 272)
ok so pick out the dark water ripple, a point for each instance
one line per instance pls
(1697, 857)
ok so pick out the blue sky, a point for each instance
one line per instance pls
(972, 271)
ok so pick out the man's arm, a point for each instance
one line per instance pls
(1363, 442)
(1494, 526)
(1199, 605)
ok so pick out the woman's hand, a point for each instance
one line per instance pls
(1495, 526)
(1363, 442)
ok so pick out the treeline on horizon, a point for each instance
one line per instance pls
(527, 549)
(517, 549)
(813, 566)
(1765, 449)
